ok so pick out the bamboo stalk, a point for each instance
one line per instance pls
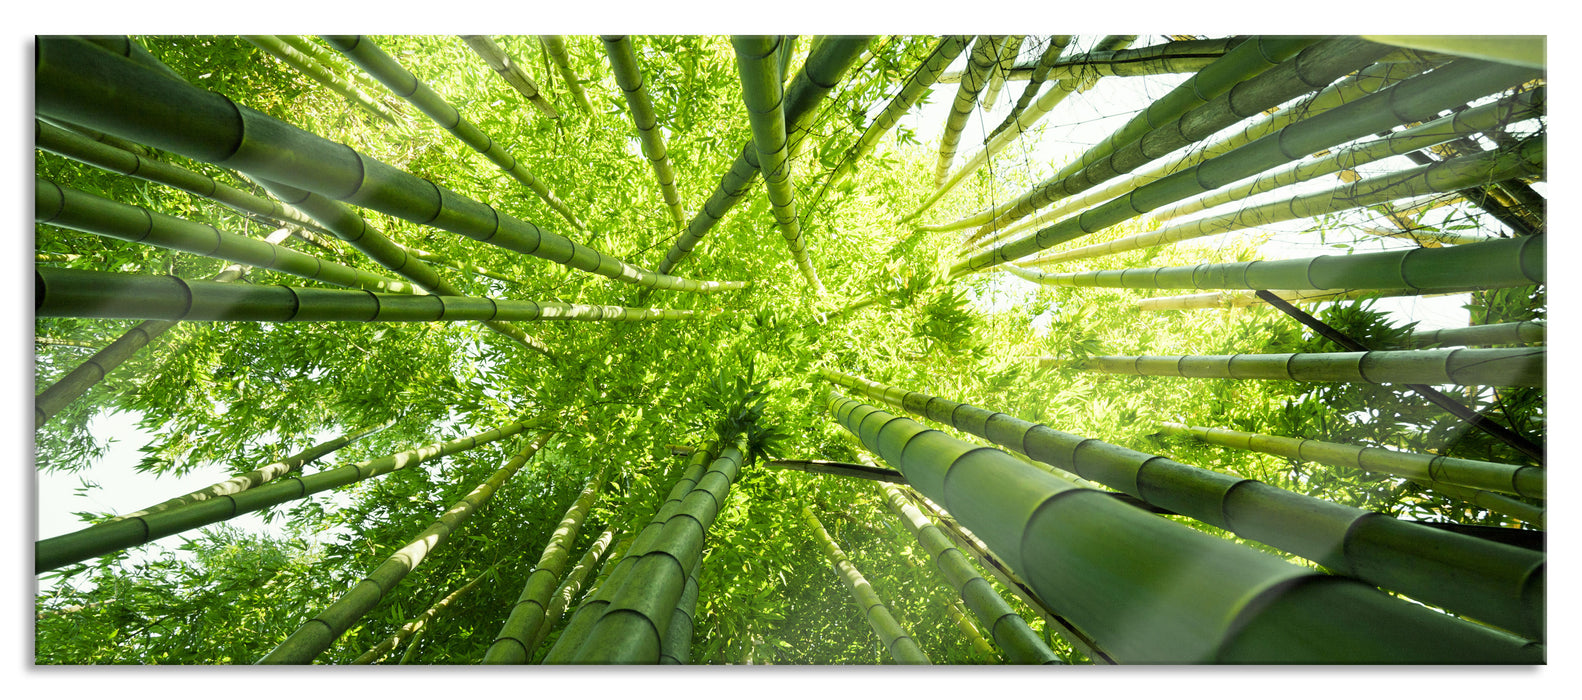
(93, 370)
(419, 623)
(1159, 59)
(816, 466)
(895, 638)
(314, 70)
(623, 63)
(1010, 47)
(510, 70)
(96, 540)
(1461, 367)
(984, 54)
(528, 613)
(1525, 51)
(335, 63)
(88, 294)
(676, 648)
(318, 633)
(573, 583)
(1495, 583)
(1155, 591)
(79, 82)
(823, 69)
(1492, 502)
(1235, 299)
(1516, 333)
(1525, 481)
(1010, 632)
(555, 48)
(1046, 61)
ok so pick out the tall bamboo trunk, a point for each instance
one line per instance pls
(895, 638)
(1462, 367)
(1236, 299)
(1097, 560)
(419, 623)
(1111, 58)
(761, 92)
(314, 70)
(510, 70)
(1010, 632)
(1516, 333)
(1527, 481)
(676, 648)
(574, 582)
(1010, 48)
(96, 540)
(623, 63)
(318, 633)
(634, 623)
(824, 67)
(979, 63)
(87, 294)
(93, 370)
(1496, 583)
(528, 614)
(1056, 46)
(81, 83)
(555, 47)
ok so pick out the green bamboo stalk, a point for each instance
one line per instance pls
(824, 67)
(1481, 118)
(1492, 502)
(1155, 591)
(1052, 51)
(1525, 51)
(335, 63)
(96, 540)
(64, 342)
(1527, 481)
(1011, 634)
(71, 145)
(79, 82)
(573, 583)
(1516, 333)
(623, 63)
(593, 606)
(1365, 82)
(101, 137)
(816, 466)
(1504, 262)
(1010, 47)
(351, 227)
(900, 645)
(419, 623)
(911, 91)
(528, 613)
(755, 56)
(676, 648)
(1115, 60)
(1495, 583)
(318, 633)
(259, 476)
(74, 209)
(1461, 367)
(555, 47)
(89, 294)
(632, 625)
(983, 57)
(314, 70)
(1235, 299)
(1434, 178)
(509, 69)
(77, 382)
(367, 55)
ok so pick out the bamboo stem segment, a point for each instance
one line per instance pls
(895, 638)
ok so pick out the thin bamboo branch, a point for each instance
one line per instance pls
(419, 623)
(900, 645)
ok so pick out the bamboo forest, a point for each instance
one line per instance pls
(805, 350)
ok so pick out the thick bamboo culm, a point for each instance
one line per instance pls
(318, 633)
(1419, 99)
(78, 210)
(1525, 481)
(1517, 50)
(80, 148)
(367, 55)
(623, 63)
(527, 615)
(1019, 643)
(1158, 59)
(979, 62)
(1432, 179)
(631, 629)
(1236, 99)
(555, 46)
(81, 83)
(676, 648)
(825, 66)
(346, 224)
(511, 71)
(315, 70)
(419, 623)
(573, 584)
(1461, 367)
(895, 638)
(620, 566)
(1155, 591)
(761, 93)
(1515, 333)
(1494, 583)
(88, 294)
(1503, 262)
(93, 370)
(257, 477)
(1236, 299)
(96, 540)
